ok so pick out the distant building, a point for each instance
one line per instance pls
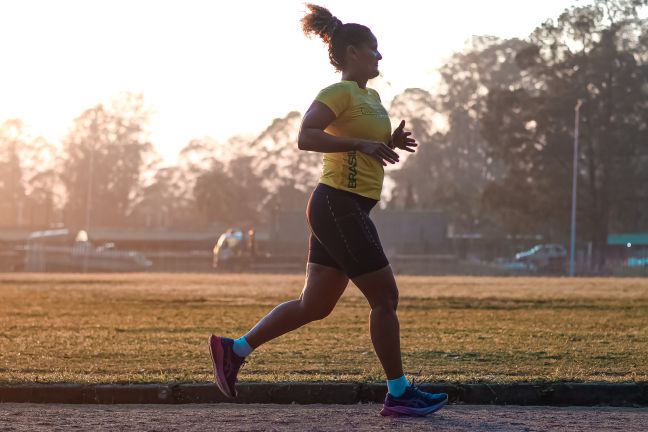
(12, 244)
(629, 250)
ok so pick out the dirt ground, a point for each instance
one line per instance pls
(231, 417)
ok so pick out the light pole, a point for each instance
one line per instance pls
(88, 209)
(572, 248)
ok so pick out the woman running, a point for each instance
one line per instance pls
(349, 125)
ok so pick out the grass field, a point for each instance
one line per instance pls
(154, 328)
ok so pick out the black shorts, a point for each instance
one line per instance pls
(342, 235)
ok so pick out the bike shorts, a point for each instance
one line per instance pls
(342, 234)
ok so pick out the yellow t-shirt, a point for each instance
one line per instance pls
(359, 114)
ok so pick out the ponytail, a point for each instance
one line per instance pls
(338, 36)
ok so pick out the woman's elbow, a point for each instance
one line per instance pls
(302, 141)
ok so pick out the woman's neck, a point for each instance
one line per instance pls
(362, 82)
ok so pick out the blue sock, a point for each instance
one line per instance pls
(241, 347)
(396, 387)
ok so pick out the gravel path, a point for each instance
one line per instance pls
(231, 417)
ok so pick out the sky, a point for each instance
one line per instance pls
(220, 68)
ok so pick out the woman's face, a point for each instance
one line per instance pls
(367, 58)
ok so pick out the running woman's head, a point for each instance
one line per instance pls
(352, 47)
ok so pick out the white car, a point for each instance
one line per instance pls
(543, 255)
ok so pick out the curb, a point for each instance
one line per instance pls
(557, 394)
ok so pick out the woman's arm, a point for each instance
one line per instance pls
(313, 138)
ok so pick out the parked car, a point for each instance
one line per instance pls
(59, 250)
(544, 257)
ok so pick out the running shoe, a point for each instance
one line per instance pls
(414, 402)
(226, 364)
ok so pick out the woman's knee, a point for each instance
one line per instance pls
(384, 298)
(388, 301)
(315, 311)
(379, 288)
(323, 288)
(395, 300)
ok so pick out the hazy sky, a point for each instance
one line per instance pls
(219, 68)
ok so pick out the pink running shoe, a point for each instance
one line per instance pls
(226, 364)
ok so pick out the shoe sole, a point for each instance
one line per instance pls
(217, 363)
(412, 412)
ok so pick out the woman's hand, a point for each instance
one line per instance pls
(378, 151)
(402, 140)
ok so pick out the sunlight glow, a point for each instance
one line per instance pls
(219, 69)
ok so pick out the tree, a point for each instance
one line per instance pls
(452, 168)
(105, 152)
(165, 201)
(222, 197)
(596, 53)
(42, 183)
(12, 189)
(288, 173)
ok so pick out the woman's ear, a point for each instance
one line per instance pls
(352, 52)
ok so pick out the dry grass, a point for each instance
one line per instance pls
(154, 328)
